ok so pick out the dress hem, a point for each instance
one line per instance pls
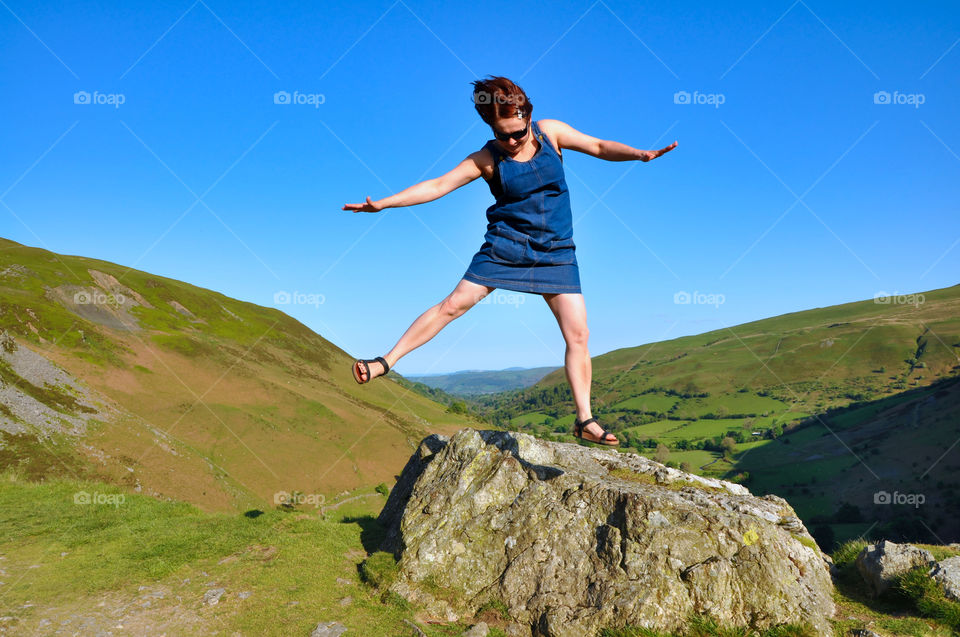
(519, 286)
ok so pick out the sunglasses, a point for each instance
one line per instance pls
(520, 134)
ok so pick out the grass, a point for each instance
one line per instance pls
(70, 556)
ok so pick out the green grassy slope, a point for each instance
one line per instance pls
(220, 402)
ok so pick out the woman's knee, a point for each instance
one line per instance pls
(577, 335)
(457, 304)
(451, 307)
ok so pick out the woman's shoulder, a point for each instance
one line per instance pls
(484, 159)
(549, 125)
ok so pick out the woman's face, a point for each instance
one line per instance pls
(512, 125)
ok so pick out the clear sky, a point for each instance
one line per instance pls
(818, 159)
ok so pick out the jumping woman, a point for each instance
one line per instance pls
(528, 245)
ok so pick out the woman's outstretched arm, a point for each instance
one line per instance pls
(465, 172)
(569, 137)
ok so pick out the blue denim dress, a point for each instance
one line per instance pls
(529, 245)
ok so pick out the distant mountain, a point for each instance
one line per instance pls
(475, 382)
(181, 392)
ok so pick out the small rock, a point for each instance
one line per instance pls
(879, 564)
(244, 594)
(477, 630)
(346, 601)
(330, 629)
(213, 596)
(947, 574)
(343, 582)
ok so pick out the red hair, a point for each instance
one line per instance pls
(498, 98)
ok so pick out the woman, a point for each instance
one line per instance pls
(529, 244)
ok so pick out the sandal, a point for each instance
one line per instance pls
(603, 440)
(366, 368)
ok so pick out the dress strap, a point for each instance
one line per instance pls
(542, 138)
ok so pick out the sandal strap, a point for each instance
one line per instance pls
(586, 422)
(383, 361)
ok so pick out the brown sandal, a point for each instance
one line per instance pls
(366, 369)
(603, 440)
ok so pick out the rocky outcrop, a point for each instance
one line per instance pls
(573, 539)
(879, 564)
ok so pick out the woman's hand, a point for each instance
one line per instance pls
(370, 206)
(647, 155)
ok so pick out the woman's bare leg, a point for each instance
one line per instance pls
(464, 296)
(571, 313)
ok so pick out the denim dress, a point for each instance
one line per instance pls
(528, 246)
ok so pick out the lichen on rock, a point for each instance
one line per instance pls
(573, 538)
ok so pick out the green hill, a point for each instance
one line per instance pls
(183, 393)
(858, 398)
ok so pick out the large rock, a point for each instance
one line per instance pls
(879, 564)
(573, 538)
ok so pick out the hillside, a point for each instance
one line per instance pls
(859, 398)
(180, 392)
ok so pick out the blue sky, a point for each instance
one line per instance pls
(791, 188)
